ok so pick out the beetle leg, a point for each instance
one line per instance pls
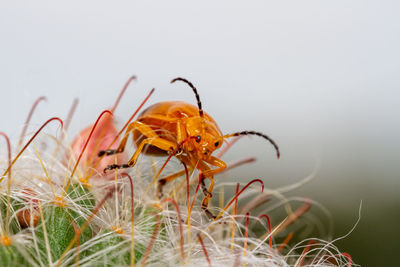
(166, 180)
(180, 134)
(209, 173)
(180, 137)
(134, 125)
(207, 195)
(157, 142)
(152, 139)
(215, 162)
(204, 168)
(173, 176)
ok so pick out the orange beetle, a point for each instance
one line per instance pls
(166, 126)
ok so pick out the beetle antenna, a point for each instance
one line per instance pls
(258, 134)
(195, 92)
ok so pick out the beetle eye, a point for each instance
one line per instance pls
(216, 144)
(198, 138)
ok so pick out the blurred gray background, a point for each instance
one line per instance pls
(319, 77)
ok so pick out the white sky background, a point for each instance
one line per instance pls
(320, 77)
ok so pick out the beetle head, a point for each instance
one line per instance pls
(207, 136)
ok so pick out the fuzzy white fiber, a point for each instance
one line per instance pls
(45, 170)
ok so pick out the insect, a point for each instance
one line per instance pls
(166, 126)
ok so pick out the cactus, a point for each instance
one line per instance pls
(55, 211)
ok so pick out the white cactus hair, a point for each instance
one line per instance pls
(102, 228)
